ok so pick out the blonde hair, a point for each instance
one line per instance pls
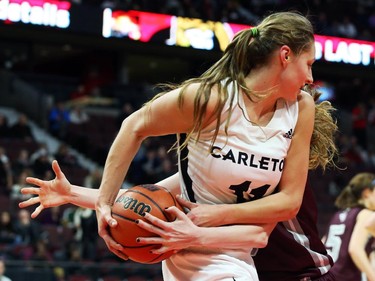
(351, 195)
(323, 150)
(247, 51)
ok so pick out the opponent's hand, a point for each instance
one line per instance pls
(50, 193)
(201, 214)
(173, 236)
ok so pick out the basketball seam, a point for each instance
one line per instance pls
(153, 201)
(170, 194)
(123, 217)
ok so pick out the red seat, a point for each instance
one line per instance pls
(5, 203)
(79, 277)
(136, 278)
(111, 278)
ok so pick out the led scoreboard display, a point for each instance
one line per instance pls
(36, 12)
(335, 49)
(169, 30)
(51, 14)
(209, 35)
(159, 29)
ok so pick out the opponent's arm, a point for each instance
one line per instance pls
(60, 191)
(182, 233)
(370, 224)
(358, 242)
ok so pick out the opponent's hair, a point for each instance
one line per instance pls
(323, 149)
(352, 195)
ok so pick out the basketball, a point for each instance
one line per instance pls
(131, 206)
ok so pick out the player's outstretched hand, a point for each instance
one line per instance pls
(49, 194)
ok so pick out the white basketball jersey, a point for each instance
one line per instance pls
(245, 163)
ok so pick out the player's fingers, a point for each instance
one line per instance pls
(30, 190)
(102, 230)
(34, 181)
(185, 203)
(112, 244)
(106, 216)
(173, 210)
(150, 240)
(110, 221)
(115, 248)
(29, 202)
(37, 211)
(56, 168)
(155, 221)
(157, 241)
(120, 254)
(155, 226)
(162, 250)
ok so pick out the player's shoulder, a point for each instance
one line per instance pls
(193, 88)
(365, 213)
(306, 102)
(191, 91)
(305, 99)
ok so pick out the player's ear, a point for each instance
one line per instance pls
(366, 197)
(284, 55)
(366, 193)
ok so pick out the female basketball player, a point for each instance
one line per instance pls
(309, 261)
(347, 239)
(244, 128)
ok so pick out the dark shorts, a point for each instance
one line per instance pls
(326, 277)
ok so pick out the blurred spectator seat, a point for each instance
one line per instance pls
(57, 236)
(136, 278)
(79, 277)
(110, 278)
(13, 146)
(94, 137)
(76, 174)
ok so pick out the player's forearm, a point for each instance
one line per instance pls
(236, 236)
(271, 209)
(119, 158)
(83, 197)
(86, 197)
(171, 183)
(361, 260)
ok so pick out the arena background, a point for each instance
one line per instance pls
(103, 58)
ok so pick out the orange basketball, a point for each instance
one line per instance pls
(131, 206)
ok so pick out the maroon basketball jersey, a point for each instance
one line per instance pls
(337, 243)
(295, 251)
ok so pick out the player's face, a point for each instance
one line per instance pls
(298, 73)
